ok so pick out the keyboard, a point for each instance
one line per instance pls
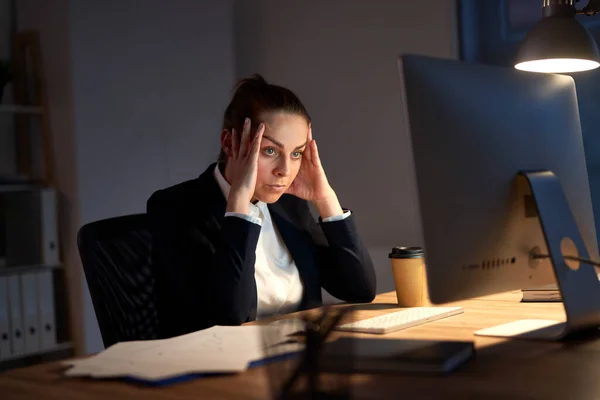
(400, 319)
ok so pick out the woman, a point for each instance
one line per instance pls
(239, 242)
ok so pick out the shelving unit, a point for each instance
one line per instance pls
(25, 269)
(17, 109)
(33, 280)
(59, 347)
(59, 352)
(19, 187)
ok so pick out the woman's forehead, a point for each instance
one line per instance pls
(287, 128)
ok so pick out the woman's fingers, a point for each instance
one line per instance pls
(245, 139)
(256, 142)
(235, 143)
(316, 160)
(307, 154)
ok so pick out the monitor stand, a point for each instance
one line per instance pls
(580, 289)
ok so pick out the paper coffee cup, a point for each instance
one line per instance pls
(408, 267)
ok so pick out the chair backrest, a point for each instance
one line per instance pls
(116, 258)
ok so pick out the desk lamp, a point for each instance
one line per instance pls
(559, 43)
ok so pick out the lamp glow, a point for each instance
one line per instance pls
(559, 43)
(557, 65)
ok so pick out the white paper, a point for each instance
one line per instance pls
(219, 349)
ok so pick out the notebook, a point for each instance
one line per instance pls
(362, 355)
(547, 293)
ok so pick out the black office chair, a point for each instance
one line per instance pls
(116, 258)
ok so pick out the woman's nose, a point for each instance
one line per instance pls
(283, 168)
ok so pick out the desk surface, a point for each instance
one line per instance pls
(514, 369)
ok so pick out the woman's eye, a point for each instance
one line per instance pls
(269, 151)
(297, 154)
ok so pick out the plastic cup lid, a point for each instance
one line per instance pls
(407, 252)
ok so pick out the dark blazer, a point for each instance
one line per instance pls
(204, 263)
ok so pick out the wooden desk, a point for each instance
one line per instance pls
(502, 369)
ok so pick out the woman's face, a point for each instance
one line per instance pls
(280, 154)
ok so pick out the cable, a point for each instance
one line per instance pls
(572, 258)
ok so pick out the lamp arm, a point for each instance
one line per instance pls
(592, 8)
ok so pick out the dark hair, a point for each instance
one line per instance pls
(253, 96)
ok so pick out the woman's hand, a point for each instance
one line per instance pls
(311, 182)
(243, 167)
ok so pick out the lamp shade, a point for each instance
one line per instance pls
(558, 44)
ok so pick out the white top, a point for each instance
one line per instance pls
(278, 284)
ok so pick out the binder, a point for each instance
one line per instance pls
(17, 339)
(47, 321)
(29, 300)
(31, 226)
(4, 319)
(3, 261)
(49, 226)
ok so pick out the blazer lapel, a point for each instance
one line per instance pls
(300, 246)
(210, 199)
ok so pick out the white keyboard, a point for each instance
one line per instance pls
(400, 319)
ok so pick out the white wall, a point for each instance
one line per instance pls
(339, 56)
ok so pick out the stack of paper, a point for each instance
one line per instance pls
(220, 349)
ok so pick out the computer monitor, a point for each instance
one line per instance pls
(492, 147)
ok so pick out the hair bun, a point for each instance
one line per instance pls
(254, 81)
